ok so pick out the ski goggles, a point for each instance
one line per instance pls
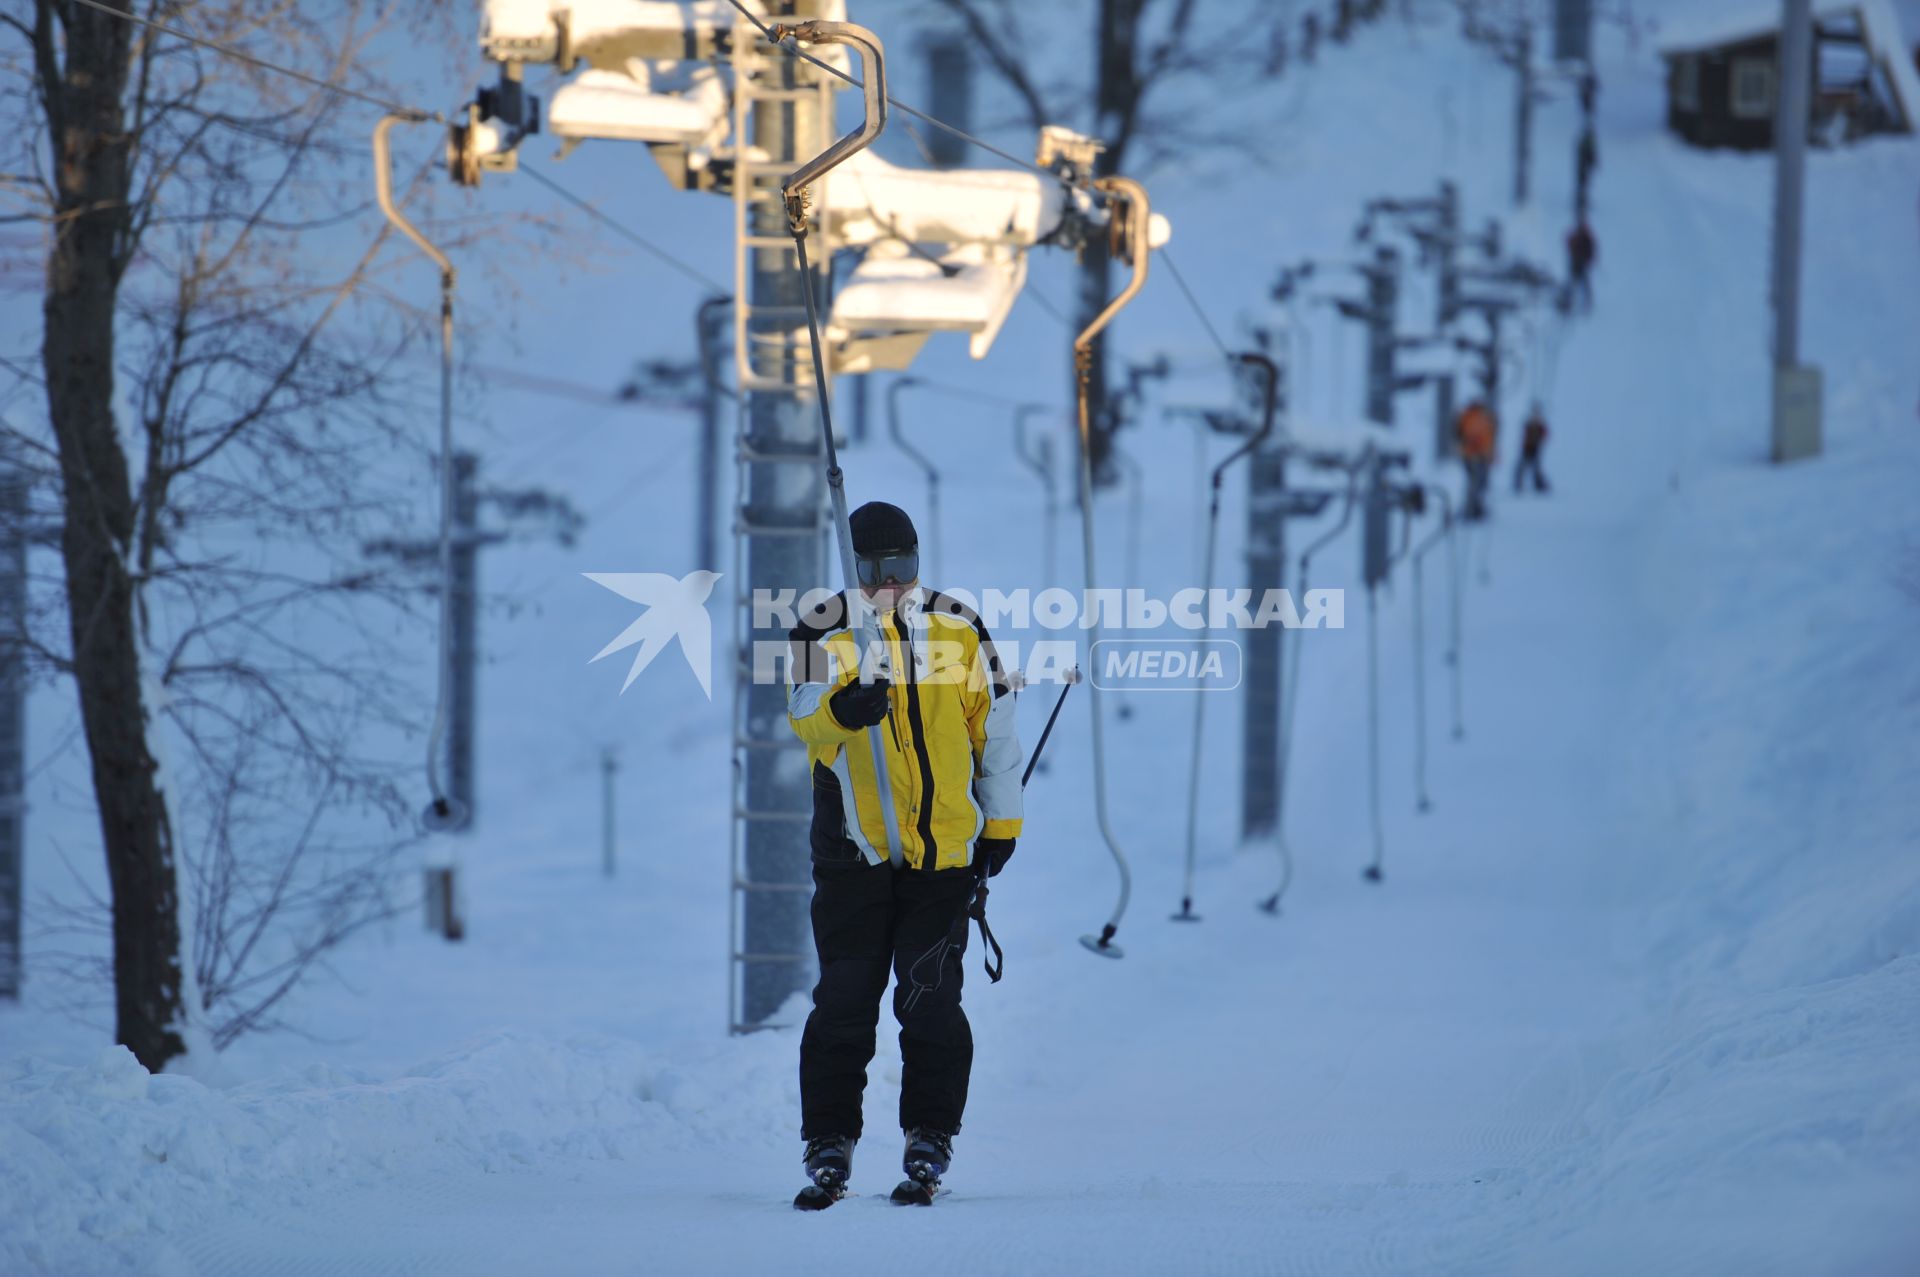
(896, 568)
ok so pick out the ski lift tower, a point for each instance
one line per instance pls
(783, 113)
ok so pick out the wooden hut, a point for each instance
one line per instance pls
(1722, 79)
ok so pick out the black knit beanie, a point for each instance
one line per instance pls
(879, 528)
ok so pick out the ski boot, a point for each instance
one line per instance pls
(925, 1161)
(829, 1164)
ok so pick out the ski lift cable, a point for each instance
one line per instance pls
(777, 34)
(793, 190)
(1270, 404)
(410, 114)
(624, 231)
(1194, 302)
(1048, 306)
(978, 396)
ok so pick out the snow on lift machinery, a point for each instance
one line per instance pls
(1270, 403)
(1129, 234)
(651, 78)
(444, 813)
(1319, 459)
(794, 191)
(927, 467)
(1443, 531)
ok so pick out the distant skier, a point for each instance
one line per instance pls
(1475, 432)
(1533, 440)
(1582, 251)
(1586, 160)
(953, 760)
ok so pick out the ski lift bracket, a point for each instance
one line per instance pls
(793, 188)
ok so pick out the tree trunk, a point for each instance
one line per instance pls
(91, 157)
(1117, 88)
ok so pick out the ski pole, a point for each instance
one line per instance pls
(1073, 676)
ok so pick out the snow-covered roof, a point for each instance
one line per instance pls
(1733, 25)
(1879, 24)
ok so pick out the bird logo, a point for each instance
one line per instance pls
(676, 609)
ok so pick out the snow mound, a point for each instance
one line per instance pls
(107, 1162)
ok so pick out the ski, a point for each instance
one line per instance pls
(814, 1197)
(914, 1192)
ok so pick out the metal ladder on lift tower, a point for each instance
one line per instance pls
(770, 359)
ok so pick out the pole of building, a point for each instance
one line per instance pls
(444, 912)
(609, 766)
(1260, 761)
(1523, 111)
(1796, 390)
(1790, 169)
(465, 649)
(13, 693)
(711, 330)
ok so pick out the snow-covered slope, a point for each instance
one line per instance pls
(1641, 993)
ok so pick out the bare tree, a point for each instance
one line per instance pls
(218, 361)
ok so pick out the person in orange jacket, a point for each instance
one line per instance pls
(1475, 431)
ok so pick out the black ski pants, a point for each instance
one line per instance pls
(867, 920)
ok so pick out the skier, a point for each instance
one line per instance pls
(1582, 251)
(1475, 432)
(1533, 440)
(953, 763)
(1586, 159)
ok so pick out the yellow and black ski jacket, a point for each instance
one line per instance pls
(953, 755)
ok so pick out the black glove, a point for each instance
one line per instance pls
(859, 705)
(998, 852)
